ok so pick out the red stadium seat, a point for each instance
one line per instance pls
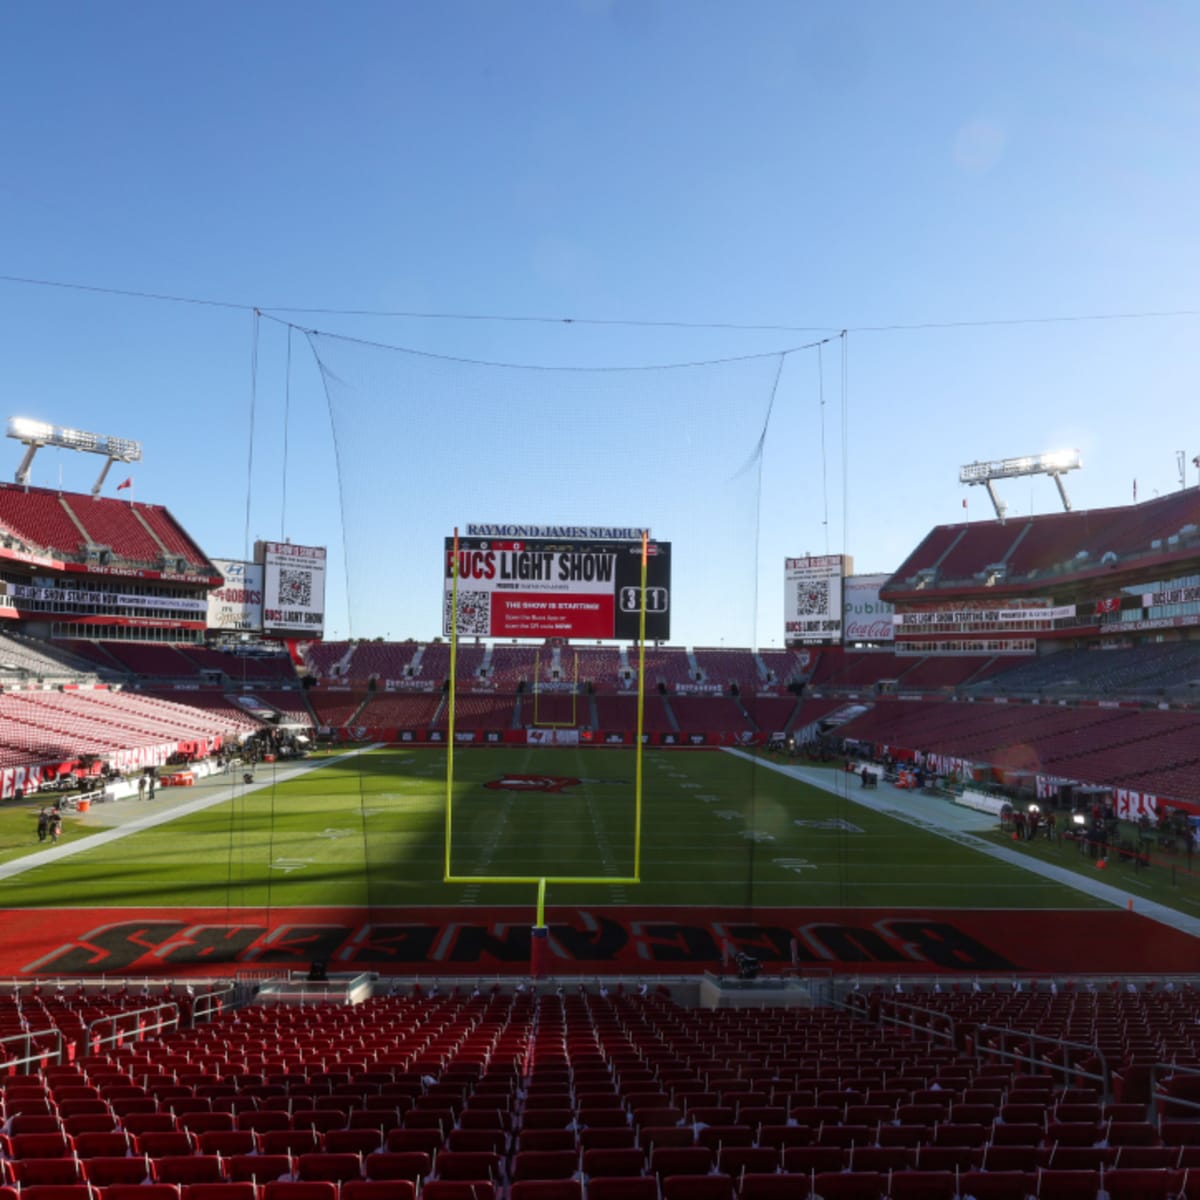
(103, 1145)
(923, 1185)
(546, 1189)
(1067, 1185)
(258, 1168)
(189, 1168)
(452, 1189)
(219, 1191)
(353, 1141)
(542, 1164)
(620, 1161)
(105, 1171)
(851, 1185)
(997, 1185)
(295, 1190)
(326, 1167)
(378, 1189)
(468, 1165)
(33, 1172)
(398, 1165)
(141, 1191)
(697, 1187)
(615, 1187)
(58, 1191)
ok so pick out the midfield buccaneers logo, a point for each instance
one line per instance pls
(532, 783)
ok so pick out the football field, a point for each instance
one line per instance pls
(370, 830)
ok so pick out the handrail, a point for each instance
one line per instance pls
(94, 1041)
(30, 1055)
(1157, 1070)
(863, 1009)
(208, 1005)
(1104, 1078)
(950, 1034)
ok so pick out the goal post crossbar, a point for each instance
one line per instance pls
(542, 880)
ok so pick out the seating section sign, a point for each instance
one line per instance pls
(555, 587)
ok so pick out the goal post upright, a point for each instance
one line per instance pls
(641, 707)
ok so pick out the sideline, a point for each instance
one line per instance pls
(929, 814)
(283, 773)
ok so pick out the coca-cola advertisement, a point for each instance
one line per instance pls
(866, 617)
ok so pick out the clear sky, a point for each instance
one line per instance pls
(815, 166)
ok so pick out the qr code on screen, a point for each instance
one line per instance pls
(474, 613)
(812, 599)
(295, 588)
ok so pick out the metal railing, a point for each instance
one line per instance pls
(862, 1009)
(1158, 1071)
(208, 1005)
(1067, 1069)
(166, 1016)
(23, 1062)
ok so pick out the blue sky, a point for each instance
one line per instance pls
(805, 165)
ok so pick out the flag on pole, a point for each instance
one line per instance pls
(1135, 491)
(127, 483)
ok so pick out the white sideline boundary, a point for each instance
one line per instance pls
(883, 800)
(82, 844)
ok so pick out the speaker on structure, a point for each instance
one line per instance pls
(318, 972)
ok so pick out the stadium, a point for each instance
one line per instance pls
(905, 907)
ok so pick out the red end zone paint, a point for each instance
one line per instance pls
(467, 941)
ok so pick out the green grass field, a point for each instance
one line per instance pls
(718, 830)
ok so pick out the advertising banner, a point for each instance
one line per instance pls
(238, 602)
(812, 601)
(866, 618)
(293, 588)
(536, 588)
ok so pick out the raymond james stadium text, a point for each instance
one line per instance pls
(596, 533)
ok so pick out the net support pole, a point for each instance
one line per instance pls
(450, 710)
(539, 942)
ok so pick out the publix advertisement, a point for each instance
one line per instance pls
(866, 618)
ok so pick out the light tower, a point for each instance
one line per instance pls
(36, 434)
(1055, 464)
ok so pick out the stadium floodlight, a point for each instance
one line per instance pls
(1056, 464)
(36, 434)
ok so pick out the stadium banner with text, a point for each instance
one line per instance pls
(536, 588)
(66, 598)
(866, 618)
(238, 602)
(470, 940)
(293, 587)
(1042, 615)
(812, 599)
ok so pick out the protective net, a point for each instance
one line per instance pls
(719, 459)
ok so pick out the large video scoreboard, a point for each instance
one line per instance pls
(557, 586)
